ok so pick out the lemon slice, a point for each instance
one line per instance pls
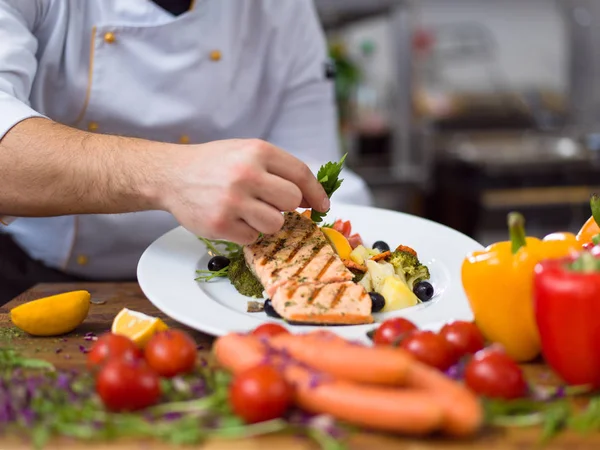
(339, 243)
(137, 326)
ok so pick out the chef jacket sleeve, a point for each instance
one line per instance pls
(306, 123)
(18, 62)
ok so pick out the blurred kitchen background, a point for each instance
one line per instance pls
(463, 110)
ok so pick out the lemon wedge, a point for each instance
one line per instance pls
(137, 326)
(52, 316)
(339, 243)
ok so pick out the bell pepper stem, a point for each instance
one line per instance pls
(595, 206)
(516, 231)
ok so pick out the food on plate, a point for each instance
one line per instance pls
(423, 290)
(299, 252)
(377, 301)
(110, 346)
(338, 241)
(52, 316)
(218, 262)
(492, 373)
(590, 231)
(269, 310)
(498, 282)
(416, 407)
(137, 326)
(127, 385)
(567, 312)
(381, 246)
(344, 303)
(171, 353)
(260, 393)
(255, 306)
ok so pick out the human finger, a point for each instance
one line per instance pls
(278, 192)
(240, 232)
(291, 168)
(262, 216)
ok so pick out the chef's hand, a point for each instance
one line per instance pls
(236, 189)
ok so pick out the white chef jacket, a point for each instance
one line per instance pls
(224, 69)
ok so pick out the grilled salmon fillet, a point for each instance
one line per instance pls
(305, 278)
(338, 303)
(298, 252)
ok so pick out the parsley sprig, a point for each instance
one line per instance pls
(329, 177)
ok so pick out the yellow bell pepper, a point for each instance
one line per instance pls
(498, 283)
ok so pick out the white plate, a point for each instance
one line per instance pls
(166, 273)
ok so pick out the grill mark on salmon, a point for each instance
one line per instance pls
(326, 266)
(298, 246)
(338, 295)
(276, 249)
(316, 249)
(314, 295)
(305, 278)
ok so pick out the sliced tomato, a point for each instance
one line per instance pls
(343, 227)
(355, 240)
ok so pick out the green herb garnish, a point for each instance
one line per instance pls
(237, 270)
(329, 177)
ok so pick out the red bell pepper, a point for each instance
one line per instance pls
(567, 312)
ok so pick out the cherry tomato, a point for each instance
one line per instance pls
(492, 373)
(355, 240)
(171, 352)
(392, 330)
(430, 348)
(343, 227)
(127, 385)
(269, 330)
(260, 393)
(112, 346)
(464, 337)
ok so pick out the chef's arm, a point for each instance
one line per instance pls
(49, 169)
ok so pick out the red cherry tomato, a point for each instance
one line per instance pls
(260, 393)
(269, 330)
(492, 373)
(343, 227)
(355, 240)
(171, 352)
(392, 330)
(430, 348)
(127, 385)
(464, 337)
(111, 346)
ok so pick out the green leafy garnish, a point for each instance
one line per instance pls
(10, 359)
(329, 177)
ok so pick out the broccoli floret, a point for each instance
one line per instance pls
(408, 266)
(242, 277)
(422, 273)
(404, 260)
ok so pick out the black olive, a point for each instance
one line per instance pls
(381, 246)
(377, 301)
(217, 263)
(269, 310)
(423, 290)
